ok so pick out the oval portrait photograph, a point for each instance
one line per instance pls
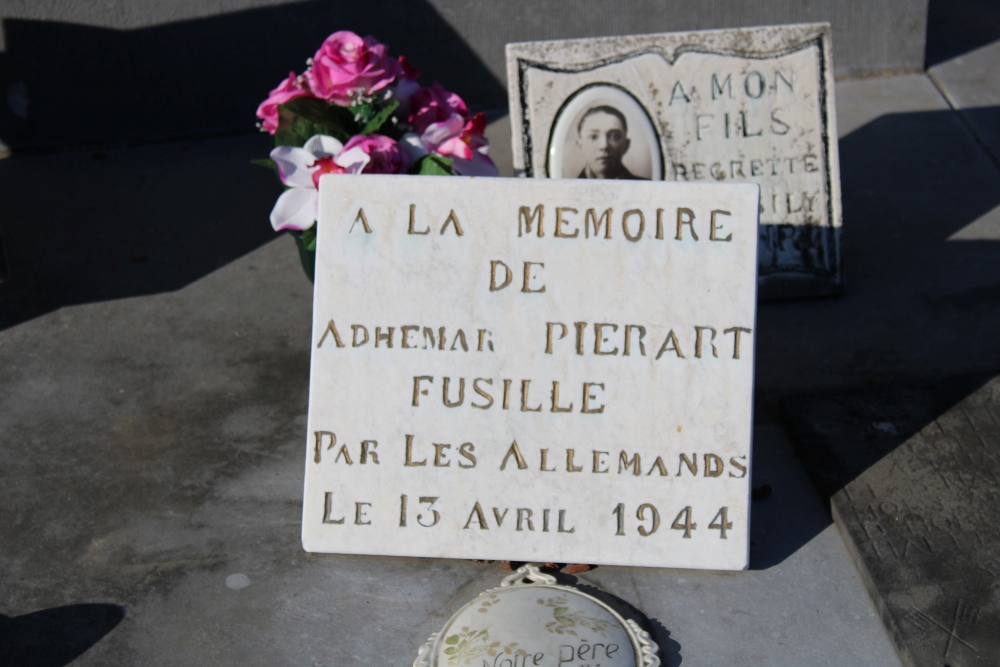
(602, 131)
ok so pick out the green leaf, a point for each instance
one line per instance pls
(376, 123)
(559, 611)
(451, 640)
(309, 239)
(294, 131)
(306, 257)
(284, 136)
(450, 651)
(287, 134)
(433, 165)
(301, 129)
(338, 120)
(265, 162)
(303, 117)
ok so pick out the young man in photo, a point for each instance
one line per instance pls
(602, 137)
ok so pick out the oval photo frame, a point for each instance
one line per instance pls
(533, 620)
(566, 156)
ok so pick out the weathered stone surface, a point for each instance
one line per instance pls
(493, 378)
(743, 105)
(914, 475)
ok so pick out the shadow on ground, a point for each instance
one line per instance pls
(896, 436)
(785, 512)
(105, 224)
(3, 262)
(93, 226)
(55, 637)
(167, 90)
(910, 181)
(917, 304)
(955, 27)
(841, 434)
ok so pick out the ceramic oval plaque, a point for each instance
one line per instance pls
(531, 621)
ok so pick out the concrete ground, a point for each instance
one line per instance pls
(153, 341)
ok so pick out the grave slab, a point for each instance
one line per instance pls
(913, 473)
(206, 443)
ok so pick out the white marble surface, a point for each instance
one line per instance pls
(744, 105)
(468, 493)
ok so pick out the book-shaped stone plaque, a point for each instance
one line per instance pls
(720, 106)
(532, 370)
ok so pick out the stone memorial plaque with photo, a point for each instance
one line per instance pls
(720, 106)
(533, 370)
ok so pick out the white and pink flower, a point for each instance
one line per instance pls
(301, 168)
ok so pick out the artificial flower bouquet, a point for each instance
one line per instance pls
(357, 110)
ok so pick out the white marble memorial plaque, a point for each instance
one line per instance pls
(532, 370)
(751, 105)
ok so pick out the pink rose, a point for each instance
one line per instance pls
(434, 105)
(268, 110)
(347, 64)
(376, 153)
